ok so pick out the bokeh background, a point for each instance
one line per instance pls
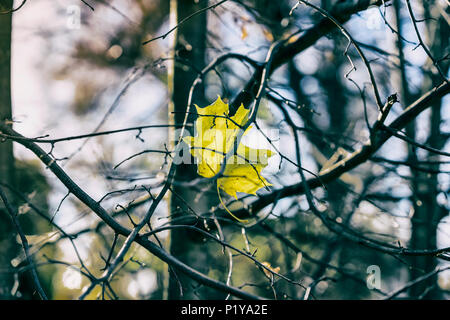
(77, 70)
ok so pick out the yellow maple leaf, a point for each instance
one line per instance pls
(216, 134)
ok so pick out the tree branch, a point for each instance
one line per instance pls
(118, 228)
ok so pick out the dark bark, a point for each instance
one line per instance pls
(190, 45)
(7, 236)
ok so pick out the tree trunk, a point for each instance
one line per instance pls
(7, 234)
(424, 186)
(190, 45)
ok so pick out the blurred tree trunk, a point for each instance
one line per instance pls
(332, 83)
(419, 220)
(7, 235)
(190, 45)
(427, 211)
